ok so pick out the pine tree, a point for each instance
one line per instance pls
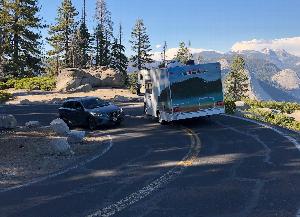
(62, 31)
(141, 46)
(200, 59)
(237, 81)
(103, 34)
(84, 39)
(4, 36)
(183, 55)
(76, 54)
(163, 54)
(21, 26)
(119, 60)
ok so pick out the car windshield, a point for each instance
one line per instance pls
(94, 103)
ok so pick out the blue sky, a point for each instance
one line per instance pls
(209, 24)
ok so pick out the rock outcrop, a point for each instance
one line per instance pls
(60, 145)
(82, 88)
(60, 127)
(71, 79)
(32, 124)
(76, 136)
(8, 122)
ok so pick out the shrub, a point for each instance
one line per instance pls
(284, 107)
(35, 83)
(230, 106)
(3, 86)
(276, 119)
(11, 83)
(4, 96)
(133, 82)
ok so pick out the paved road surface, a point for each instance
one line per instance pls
(219, 167)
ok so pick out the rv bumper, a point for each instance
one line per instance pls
(189, 115)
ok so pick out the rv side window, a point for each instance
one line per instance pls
(141, 77)
(148, 88)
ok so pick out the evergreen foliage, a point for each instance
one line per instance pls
(103, 34)
(84, 41)
(183, 55)
(237, 81)
(4, 36)
(119, 60)
(20, 52)
(163, 54)
(140, 45)
(62, 32)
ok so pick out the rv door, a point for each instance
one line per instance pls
(148, 98)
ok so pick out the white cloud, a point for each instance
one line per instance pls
(171, 53)
(291, 45)
(158, 46)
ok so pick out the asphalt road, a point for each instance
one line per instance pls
(216, 168)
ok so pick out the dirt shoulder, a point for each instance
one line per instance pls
(56, 97)
(25, 154)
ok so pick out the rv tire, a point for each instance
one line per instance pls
(160, 120)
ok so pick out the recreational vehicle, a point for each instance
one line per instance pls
(182, 92)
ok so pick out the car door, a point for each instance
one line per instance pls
(70, 113)
(80, 116)
(64, 111)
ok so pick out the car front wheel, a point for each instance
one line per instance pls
(92, 123)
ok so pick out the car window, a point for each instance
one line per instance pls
(67, 104)
(94, 103)
(77, 106)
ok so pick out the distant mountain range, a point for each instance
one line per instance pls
(274, 74)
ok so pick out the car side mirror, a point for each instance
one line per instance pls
(79, 109)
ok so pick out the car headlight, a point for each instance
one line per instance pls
(99, 115)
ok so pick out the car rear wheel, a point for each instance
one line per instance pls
(92, 123)
(67, 122)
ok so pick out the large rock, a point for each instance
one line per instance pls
(60, 127)
(8, 122)
(109, 77)
(60, 145)
(76, 136)
(83, 88)
(25, 102)
(32, 124)
(70, 79)
(119, 98)
(241, 105)
(295, 115)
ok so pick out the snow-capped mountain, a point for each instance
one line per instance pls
(274, 74)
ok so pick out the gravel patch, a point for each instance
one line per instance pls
(53, 97)
(25, 154)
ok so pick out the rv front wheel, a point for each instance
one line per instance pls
(160, 119)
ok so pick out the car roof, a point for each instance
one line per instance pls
(80, 99)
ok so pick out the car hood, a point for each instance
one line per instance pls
(105, 109)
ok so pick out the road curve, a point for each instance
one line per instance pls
(241, 169)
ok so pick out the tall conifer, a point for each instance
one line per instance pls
(60, 34)
(141, 46)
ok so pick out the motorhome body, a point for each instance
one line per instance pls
(182, 92)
